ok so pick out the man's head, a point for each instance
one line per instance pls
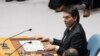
(71, 16)
(71, 52)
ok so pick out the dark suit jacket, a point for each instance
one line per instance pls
(76, 39)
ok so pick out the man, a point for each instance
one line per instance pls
(9, 0)
(74, 35)
(72, 2)
(70, 52)
(90, 4)
(58, 4)
(12, 0)
(54, 4)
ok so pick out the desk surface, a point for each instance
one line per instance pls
(13, 44)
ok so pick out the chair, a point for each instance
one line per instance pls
(94, 45)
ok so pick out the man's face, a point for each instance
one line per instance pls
(69, 20)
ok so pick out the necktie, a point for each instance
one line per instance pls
(66, 34)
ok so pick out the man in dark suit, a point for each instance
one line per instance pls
(74, 35)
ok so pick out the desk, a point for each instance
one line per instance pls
(13, 44)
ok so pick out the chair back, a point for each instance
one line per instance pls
(94, 45)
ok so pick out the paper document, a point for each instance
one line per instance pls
(34, 46)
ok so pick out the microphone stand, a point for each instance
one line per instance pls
(3, 45)
(19, 48)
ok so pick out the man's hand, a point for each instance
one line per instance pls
(49, 47)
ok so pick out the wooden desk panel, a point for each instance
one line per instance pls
(10, 46)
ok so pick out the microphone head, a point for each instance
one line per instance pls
(30, 29)
(30, 42)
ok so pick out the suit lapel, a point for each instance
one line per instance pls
(70, 33)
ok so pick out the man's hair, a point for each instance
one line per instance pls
(72, 11)
(71, 52)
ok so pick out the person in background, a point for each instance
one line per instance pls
(12, 0)
(90, 4)
(57, 5)
(70, 52)
(9, 0)
(74, 35)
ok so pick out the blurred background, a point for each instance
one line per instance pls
(16, 17)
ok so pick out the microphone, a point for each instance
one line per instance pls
(4, 45)
(19, 48)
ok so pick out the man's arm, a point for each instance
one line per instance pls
(56, 41)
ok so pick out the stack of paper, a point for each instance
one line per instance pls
(34, 46)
